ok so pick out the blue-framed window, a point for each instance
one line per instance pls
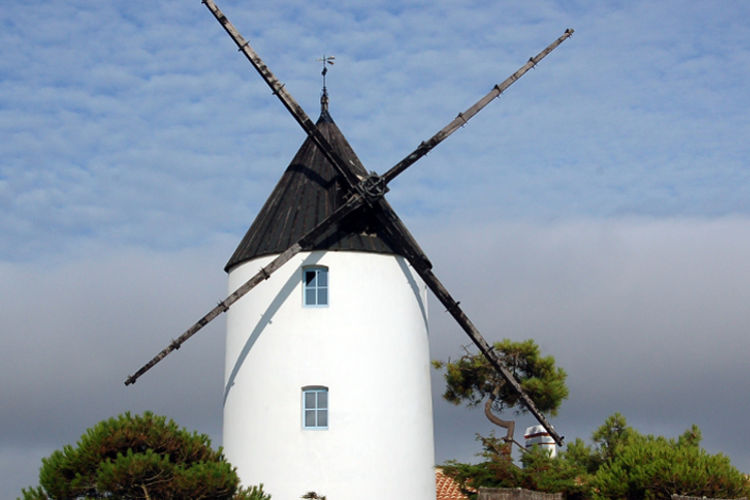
(315, 407)
(315, 283)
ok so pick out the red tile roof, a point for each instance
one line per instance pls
(446, 488)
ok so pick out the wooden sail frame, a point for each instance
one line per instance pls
(367, 194)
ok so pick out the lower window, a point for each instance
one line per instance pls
(315, 407)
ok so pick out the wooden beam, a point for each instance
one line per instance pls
(462, 118)
(307, 241)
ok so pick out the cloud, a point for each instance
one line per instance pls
(646, 315)
(73, 331)
(115, 114)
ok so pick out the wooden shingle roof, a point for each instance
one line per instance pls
(309, 191)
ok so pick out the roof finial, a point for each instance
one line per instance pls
(326, 60)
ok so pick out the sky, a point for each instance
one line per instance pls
(601, 206)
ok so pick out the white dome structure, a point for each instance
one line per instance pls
(537, 435)
(327, 378)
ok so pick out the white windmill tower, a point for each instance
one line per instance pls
(327, 363)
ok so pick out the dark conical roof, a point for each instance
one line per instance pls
(308, 192)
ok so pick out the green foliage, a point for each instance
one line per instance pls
(539, 472)
(637, 466)
(622, 464)
(496, 470)
(611, 438)
(311, 495)
(252, 493)
(139, 457)
(579, 454)
(471, 378)
(561, 474)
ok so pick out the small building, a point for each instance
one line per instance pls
(538, 435)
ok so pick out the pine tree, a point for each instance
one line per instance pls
(471, 379)
(139, 457)
(637, 466)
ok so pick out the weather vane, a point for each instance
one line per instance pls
(326, 60)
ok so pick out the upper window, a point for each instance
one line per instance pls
(315, 407)
(315, 286)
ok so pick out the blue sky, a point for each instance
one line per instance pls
(600, 206)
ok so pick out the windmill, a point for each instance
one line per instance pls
(327, 220)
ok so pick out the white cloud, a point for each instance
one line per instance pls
(646, 315)
(624, 118)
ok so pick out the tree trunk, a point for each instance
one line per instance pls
(509, 425)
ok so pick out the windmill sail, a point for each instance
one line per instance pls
(357, 197)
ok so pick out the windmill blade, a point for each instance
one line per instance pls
(286, 99)
(362, 191)
(461, 119)
(354, 181)
(373, 188)
(307, 241)
(369, 191)
(460, 316)
(398, 233)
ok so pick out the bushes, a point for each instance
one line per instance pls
(139, 457)
(622, 464)
(654, 467)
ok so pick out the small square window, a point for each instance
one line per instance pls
(315, 286)
(315, 407)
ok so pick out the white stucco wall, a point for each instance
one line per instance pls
(369, 347)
